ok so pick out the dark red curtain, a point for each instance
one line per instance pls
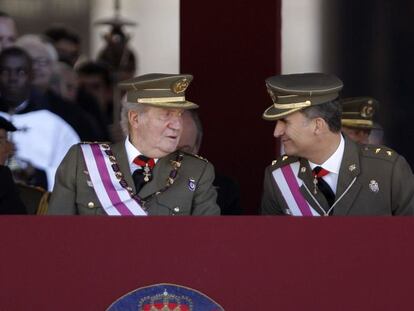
(231, 47)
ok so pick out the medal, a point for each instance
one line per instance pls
(147, 173)
(315, 184)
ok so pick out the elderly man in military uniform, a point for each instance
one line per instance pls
(357, 117)
(145, 174)
(323, 172)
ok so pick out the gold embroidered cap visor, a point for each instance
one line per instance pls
(358, 112)
(294, 92)
(159, 90)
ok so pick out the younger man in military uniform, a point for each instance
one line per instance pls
(357, 117)
(324, 173)
(144, 175)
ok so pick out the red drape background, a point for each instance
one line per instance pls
(231, 47)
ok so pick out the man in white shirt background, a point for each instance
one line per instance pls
(43, 138)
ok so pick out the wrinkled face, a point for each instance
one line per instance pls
(42, 66)
(14, 79)
(8, 32)
(357, 135)
(297, 134)
(156, 131)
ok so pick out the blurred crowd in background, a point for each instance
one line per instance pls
(57, 97)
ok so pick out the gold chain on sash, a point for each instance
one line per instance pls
(176, 164)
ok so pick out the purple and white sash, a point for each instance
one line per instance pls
(289, 185)
(115, 200)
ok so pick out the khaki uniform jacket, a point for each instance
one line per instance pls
(73, 193)
(373, 180)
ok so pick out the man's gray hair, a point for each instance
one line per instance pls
(126, 107)
(32, 41)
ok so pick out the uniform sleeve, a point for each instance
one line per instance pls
(269, 204)
(63, 198)
(204, 201)
(402, 188)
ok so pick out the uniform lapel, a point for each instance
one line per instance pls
(318, 200)
(119, 152)
(160, 176)
(348, 186)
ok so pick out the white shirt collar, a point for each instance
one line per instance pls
(333, 164)
(132, 152)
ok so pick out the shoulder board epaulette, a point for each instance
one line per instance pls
(195, 156)
(380, 152)
(283, 160)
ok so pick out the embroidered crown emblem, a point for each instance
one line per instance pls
(165, 302)
(180, 86)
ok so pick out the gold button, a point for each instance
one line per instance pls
(91, 205)
(176, 209)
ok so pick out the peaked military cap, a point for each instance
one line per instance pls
(159, 90)
(295, 92)
(7, 125)
(358, 112)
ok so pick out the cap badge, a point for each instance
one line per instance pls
(191, 184)
(367, 111)
(352, 167)
(180, 86)
(373, 186)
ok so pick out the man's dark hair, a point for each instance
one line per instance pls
(94, 68)
(15, 51)
(331, 112)
(58, 33)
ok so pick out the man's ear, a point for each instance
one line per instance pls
(133, 118)
(320, 125)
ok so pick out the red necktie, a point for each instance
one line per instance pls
(144, 174)
(318, 173)
(144, 161)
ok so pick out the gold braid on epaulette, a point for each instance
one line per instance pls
(283, 160)
(379, 151)
(194, 155)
